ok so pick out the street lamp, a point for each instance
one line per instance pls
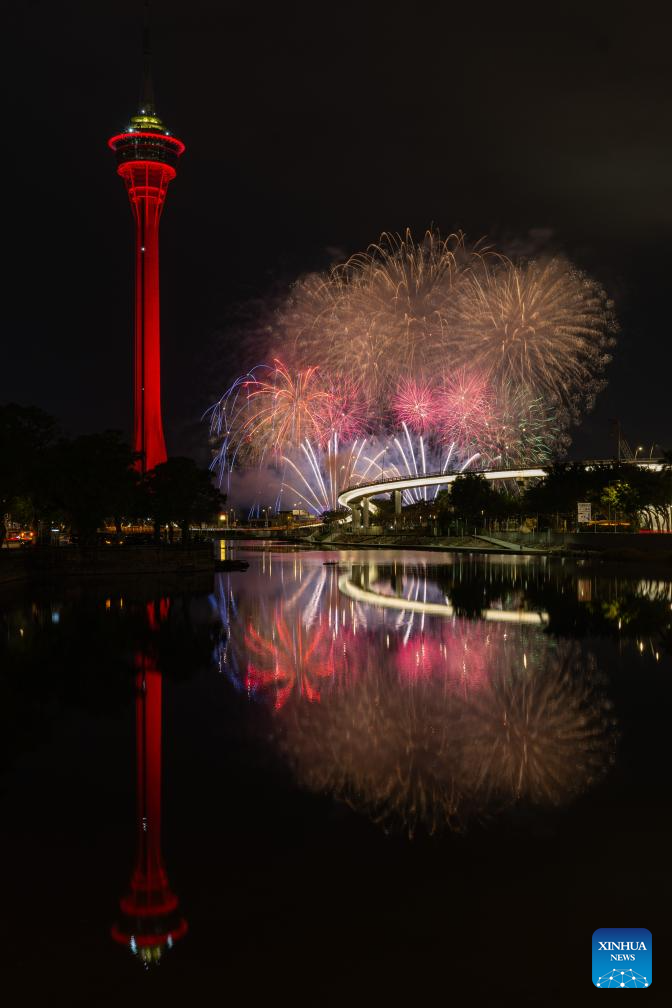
(639, 448)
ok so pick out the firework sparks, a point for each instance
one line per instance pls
(415, 404)
(283, 408)
(316, 476)
(343, 412)
(521, 347)
(376, 315)
(521, 430)
(465, 406)
(405, 457)
(544, 325)
(267, 411)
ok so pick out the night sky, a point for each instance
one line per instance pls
(310, 129)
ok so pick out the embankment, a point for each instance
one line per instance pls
(35, 563)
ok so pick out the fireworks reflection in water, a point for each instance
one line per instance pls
(419, 722)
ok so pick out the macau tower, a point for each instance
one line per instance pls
(147, 156)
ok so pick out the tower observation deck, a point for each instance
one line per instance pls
(147, 156)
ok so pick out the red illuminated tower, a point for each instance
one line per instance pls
(147, 160)
(150, 920)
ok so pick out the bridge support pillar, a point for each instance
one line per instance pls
(397, 503)
(355, 517)
(365, 512)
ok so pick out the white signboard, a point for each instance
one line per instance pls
(583, 512)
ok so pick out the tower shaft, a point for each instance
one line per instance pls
(147, 183)
(146, 160)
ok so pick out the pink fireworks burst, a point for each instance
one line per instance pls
(415, 404)
(343, 412)
(464, 409)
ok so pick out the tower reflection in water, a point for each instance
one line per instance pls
(149, 921)
(419, 717)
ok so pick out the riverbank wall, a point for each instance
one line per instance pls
(616, 546)
(38, 562)
(659, 543)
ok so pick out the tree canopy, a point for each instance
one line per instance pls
(88, 481)
(472, 495)
(178, 491)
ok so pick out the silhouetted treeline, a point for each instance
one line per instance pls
(92, 480)
(622, 492)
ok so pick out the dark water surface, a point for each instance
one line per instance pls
(373, 780)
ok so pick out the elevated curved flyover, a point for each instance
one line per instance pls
(353, 494)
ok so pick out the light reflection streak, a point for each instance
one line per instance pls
(347, 587)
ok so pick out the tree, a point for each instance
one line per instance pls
(92, 478)
(472, 495)
(561, 489)
(178, 490)
(636, 492)
(656, 495)
(626, 497)
(26, 435)
(333, 517)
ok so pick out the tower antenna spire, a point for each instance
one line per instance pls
(147, 87)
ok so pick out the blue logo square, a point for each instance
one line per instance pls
(622, 957)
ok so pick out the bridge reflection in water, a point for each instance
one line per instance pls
(361, 593)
